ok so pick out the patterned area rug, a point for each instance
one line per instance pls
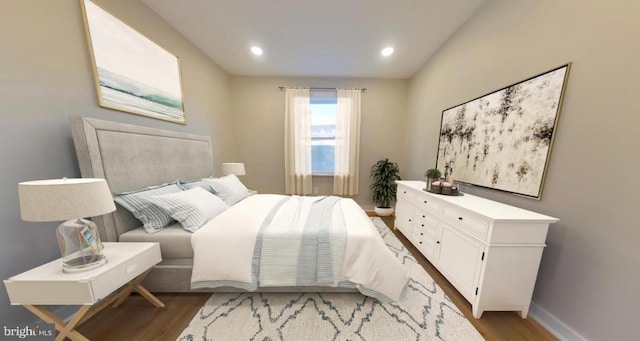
(425, 314)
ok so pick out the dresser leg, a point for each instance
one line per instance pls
(477, 312)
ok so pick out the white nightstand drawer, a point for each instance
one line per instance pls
(128, 269)
(47, 284)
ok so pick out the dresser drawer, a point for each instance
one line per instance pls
(468, 222)
(426, 224)
(404, 218)
(425, 236)
(407, 195)
(426, 201)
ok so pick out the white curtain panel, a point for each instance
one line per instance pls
(297, 146)
(347, 152)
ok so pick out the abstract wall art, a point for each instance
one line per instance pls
(132, 73)
(503, 140)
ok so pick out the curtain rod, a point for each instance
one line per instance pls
(282, 88)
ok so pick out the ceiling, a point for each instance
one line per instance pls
(327, 38)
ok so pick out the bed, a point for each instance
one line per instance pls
(132, 157)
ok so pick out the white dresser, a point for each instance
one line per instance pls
(488, 250)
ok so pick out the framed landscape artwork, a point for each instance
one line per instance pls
(132, 73)
(503, 140)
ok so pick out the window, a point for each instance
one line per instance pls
(322, 137)
(323, 108)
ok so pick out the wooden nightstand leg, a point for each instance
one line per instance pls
(69, 327)
(123, 294)
(149, 296)
(61, 327)
(135, 284)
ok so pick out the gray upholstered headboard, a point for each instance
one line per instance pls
(132, 157)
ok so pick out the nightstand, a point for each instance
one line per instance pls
(95, 289)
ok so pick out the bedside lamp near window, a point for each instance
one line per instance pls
(70, 200)
(233, 168)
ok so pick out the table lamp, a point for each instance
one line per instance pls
(70, 200)
(236, 168)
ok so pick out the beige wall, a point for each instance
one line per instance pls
(589, 276)
(45, 77)
(258, 107)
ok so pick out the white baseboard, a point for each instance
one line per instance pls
(553, 325)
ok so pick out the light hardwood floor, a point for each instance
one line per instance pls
(137, 320)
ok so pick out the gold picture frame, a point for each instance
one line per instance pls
(132, 73)
(503, 140)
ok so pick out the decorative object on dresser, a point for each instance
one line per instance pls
(235, 168)
(488, 250)
(440, 187)
(131, 72)
(503, 140)
(432, 175)
(70, 200)
(384, 174)
(445, 186)
(93, 290)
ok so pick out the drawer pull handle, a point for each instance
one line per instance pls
(422, 225)
(405, 192)
(425, 201)
(131, 269)
(422, 234)
(420, 242)
(438, 242)
(409, 219)
(423, 216)
(459, 218)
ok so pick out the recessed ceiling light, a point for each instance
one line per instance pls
(256, 50)
(387, 51)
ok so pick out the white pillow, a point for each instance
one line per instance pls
(229, 188)
(191, 208)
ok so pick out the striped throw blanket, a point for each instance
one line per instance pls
(302, 242)
(269, 240)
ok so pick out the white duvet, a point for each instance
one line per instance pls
(223, 249)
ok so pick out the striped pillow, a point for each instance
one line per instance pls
(228, 188)
(191, 208)
(198, 183)
(152, 217)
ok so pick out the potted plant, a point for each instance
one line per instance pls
(432, 175)
(384, 174)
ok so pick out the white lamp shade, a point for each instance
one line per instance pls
(64, 199)
(236, 168)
